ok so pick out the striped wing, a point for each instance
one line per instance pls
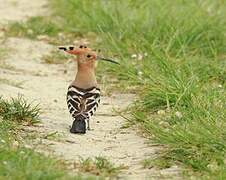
(83, 101)
(92, 101)
(74, 101)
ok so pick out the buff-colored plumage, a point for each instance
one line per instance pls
(83, 95)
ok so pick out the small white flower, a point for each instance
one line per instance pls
(140, 73)
(220, 86)
(161, 112)
(2, 141)
(178, 114)
(145, 54)
(4, 162)
(133, 56)
(140, 57)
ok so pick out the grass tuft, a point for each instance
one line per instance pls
(33, 27)
(19, 110)
(158, 162)
(99, 166)
(18, 162)
(26, 164)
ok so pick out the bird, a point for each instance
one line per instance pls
(83, 95)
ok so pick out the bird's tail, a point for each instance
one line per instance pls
(79, 125)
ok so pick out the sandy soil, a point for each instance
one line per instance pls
(19, 10)
(47, 84)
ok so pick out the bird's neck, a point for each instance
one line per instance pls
(85, 77)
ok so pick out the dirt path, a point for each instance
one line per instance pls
(19, 10)
(47, 84)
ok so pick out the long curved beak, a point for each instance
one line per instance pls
(109, 60)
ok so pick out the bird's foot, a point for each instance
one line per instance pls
(88, 126)
(89, 129)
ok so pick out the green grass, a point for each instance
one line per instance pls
(158, 162)
(180, 69)
(19, 110)
(26, 164)
(48, 29)
(99, 166)
(18, 162)
(33, 27)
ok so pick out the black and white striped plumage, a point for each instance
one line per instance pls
(82, 103)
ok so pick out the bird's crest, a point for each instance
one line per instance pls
(88, 52)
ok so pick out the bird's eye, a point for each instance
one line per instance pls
(88, 56)
(85, 46)
(71, 48)
(81, 46)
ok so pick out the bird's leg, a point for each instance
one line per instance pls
(88, 125)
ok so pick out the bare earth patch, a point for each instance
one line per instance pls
(47, 84)
(14, 10)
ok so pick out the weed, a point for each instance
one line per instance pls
(42, 28)
(33, 27)
(19, 110)
(158, 162)
(18, 162)
(26, 164)
(99, 166)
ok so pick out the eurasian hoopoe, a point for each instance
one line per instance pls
(83, 96)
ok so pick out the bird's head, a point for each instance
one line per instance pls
(85, 55)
